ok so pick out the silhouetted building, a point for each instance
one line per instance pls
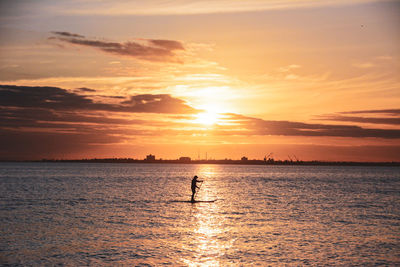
(244, 159)
(185, 159)
(150, 157)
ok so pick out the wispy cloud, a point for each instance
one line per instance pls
(393, 112)
(149, 49)
(68, 34)
(288, 68)
(159, 7)
(389, 117)
(373, 120)
(364, 65)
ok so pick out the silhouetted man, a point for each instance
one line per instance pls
(194, 186)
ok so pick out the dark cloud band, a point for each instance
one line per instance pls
(393, 112)
(55, 98)
(255, 126)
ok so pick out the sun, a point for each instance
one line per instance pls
(207, 118)
(211, 114)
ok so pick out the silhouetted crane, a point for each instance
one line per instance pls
(268, 158)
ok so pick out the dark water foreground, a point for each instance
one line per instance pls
(132, 214)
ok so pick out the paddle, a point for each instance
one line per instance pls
(199, 187)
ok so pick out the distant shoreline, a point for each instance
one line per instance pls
(211, 161)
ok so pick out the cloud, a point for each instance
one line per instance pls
(162, 103)
(168, 44)
(386, 116)
(384, 58)
(289, 68)
(68, 34)
(393, 112)
(60, 99)
(291, 77)
(40, 117)
(390, 120)
(150, 49)
(84, 89)
(158, 7)
(365, 65)
(255, 126)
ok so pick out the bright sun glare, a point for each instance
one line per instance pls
(207, 118)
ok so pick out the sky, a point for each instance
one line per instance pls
(313, 80)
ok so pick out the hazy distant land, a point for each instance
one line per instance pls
(216, 161)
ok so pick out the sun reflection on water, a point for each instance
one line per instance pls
(208, 230)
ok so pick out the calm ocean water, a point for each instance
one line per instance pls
(129, 214)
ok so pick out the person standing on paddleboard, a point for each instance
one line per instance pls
(194, 186)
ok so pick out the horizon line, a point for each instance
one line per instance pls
(209, 161)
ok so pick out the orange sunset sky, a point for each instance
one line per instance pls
(91, 78)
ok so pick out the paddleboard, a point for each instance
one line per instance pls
(197, 201)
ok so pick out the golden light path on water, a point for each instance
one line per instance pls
(207, 226)
(220, 230)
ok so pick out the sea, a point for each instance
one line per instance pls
(116, 214)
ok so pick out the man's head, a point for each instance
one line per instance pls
(195, 177)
